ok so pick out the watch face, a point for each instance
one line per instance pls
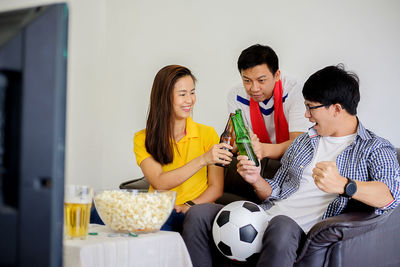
(351, 188)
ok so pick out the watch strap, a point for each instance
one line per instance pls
(190, 203)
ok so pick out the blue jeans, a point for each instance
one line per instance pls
(94, 217)
(173, 223)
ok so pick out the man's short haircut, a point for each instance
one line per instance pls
(257, 55)
(333, 85)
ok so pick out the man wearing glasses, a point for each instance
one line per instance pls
(338, 159)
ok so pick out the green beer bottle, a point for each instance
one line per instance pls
(243, 141)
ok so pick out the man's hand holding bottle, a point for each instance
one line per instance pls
(257, 146)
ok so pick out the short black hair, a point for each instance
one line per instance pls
(257, 55)
(333, 85)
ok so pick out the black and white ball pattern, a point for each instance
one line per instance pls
(238, 230)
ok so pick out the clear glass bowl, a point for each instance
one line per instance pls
(130, 210)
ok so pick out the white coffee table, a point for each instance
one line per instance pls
(153, 249)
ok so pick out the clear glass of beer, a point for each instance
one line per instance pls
(77, 205)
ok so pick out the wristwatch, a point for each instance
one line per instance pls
(350, 188)
(190, 203)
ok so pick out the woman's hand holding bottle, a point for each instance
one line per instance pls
(218, 153)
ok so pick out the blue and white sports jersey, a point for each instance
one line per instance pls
(293, 106)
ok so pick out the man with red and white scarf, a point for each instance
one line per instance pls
(271, 102)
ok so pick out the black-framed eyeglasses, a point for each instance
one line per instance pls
(315, 107)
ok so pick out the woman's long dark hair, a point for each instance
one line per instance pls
(159, 121)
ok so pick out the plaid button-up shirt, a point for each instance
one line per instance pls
(368, 158)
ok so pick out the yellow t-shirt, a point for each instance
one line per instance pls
(199, 138)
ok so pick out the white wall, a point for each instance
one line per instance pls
(116, 48)
(208, 36)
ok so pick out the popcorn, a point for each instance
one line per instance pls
(134, 211)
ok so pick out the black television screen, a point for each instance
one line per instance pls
(33, 70)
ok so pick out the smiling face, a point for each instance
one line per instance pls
(323, 118)
(259, 82)
(184, 97)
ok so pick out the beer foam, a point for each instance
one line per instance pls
(134, 211)
(78, 194)
(78, 199)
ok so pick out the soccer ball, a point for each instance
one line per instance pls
(238, 230)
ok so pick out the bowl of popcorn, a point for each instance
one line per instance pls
(130, 210)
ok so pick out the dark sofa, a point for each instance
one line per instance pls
(358, 237)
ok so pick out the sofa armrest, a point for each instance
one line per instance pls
(139, 183)
(340, 228)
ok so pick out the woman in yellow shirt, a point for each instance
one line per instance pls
(176, 153)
